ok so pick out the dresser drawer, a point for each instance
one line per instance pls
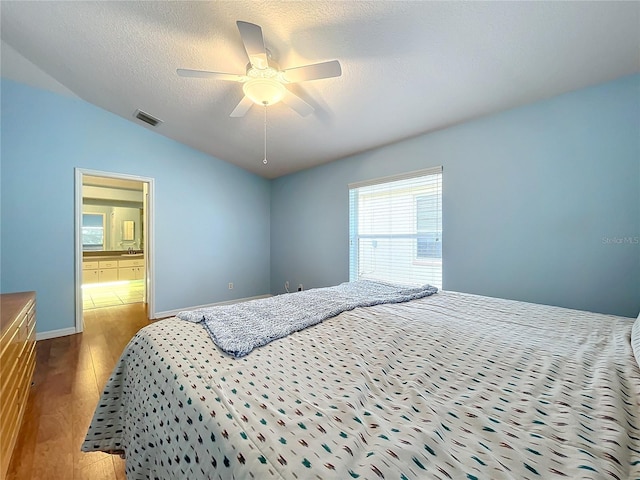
(90, 265)
(9, 421)
(10, 381)
(31, 318)
(9, 338)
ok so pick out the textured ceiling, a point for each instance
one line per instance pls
(408, 67)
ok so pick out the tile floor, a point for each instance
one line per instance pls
(110, 294)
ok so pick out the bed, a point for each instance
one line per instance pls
(447, 386)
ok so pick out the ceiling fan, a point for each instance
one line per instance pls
(264, 83)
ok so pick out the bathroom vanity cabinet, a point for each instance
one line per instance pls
(112, 269)
(99, 271)
(131, 269)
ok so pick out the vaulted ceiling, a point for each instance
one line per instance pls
(407, 67)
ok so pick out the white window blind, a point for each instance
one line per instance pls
(395, 229)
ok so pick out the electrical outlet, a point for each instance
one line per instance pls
(230, 285)
(300, 287)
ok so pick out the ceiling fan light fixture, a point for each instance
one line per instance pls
(264, 91)
(264, 83)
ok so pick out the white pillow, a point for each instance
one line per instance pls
(635, 339)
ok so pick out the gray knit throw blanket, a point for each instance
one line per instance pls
(239, 328)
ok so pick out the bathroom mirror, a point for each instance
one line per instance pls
(111, 228)
(112, 215)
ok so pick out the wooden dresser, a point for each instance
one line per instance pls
(17, 363)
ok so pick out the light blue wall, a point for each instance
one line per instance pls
(530, 198)
(535, 201)
(211, 221)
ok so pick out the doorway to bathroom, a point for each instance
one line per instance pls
(114, 241)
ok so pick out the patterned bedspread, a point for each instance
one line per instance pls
(448, 386)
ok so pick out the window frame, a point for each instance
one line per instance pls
(413, 261)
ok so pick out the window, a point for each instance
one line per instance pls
(429, 226)
(92, 231)
(395, 229)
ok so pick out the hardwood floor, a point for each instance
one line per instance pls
(70, 374)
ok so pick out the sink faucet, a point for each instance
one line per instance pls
(130, 250)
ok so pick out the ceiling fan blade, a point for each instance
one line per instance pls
(183, 72)
(313, 72)
(242, 107)
(253, 44)
(296, 103)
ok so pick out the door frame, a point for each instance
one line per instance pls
(148, 246)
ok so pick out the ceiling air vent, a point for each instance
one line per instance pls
(146, 118)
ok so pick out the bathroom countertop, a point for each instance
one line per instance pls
(111, 256)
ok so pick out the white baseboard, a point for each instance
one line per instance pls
(173, 313)
(63, 332)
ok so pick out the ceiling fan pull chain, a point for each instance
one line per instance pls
(265, 135)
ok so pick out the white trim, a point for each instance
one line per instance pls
(149, 247)
(173, 313)
(63, 332)
(394, 178)
(77, 214)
